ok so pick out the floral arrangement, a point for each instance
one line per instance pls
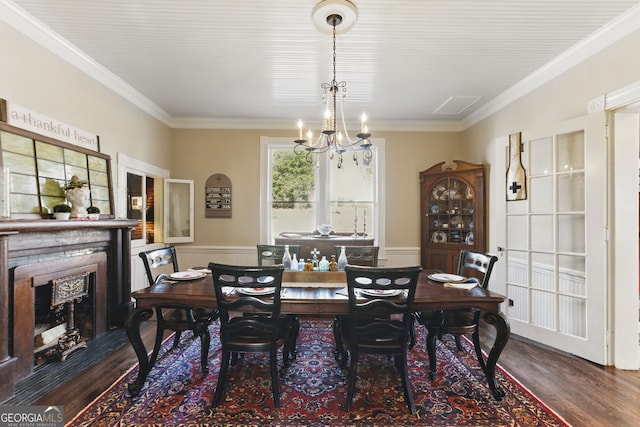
(75, 183)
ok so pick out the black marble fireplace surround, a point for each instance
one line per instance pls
(32, 254)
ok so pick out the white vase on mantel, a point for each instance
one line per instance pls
(79, 199)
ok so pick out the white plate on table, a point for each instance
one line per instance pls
(445, 277)
(255, 291)
(380, 292)
(186, 275)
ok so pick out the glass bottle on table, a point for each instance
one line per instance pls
(294, 263)
(308, 265)
(323, 265)
(342, 260)
(286, 258)
(333, 265)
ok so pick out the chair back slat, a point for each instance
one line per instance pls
(477, 265)
(374, 315)
(227, 278)
(155, 259)
(272, 254)
(360, 255)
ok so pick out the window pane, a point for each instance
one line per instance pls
(542, 156)
(16, 144)
(517, 232)
(541, 232)
(49, 152)
(571, 192)
(571, 236)
(292, 217)
(571, 152)
(541, 194)
(352, 182)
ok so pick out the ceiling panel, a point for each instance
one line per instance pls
(257, 61)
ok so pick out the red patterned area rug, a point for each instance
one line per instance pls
(314, 389)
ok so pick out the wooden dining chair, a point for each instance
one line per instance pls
(379, 321)
(272, 254)
(158, 263)
(250, 320)
(360, 255)
(475, 266)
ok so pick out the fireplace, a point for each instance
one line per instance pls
(28, 279)
(36, 254)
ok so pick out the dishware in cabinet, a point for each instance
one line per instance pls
(452, 213)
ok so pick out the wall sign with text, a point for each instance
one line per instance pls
(217, 197)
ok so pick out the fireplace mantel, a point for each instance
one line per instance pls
(31, 245)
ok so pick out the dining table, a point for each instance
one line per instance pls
(316, 294)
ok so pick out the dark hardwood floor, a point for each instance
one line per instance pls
(583, 393)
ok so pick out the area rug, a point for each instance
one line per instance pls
(314, 389)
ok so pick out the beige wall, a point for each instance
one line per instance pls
(199, 154)
(36, 79)
(563, 98)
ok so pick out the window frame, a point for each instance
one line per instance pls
(266, 143)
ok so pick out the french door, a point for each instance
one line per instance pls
(556, 239)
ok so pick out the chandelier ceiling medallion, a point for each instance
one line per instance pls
(334, 16)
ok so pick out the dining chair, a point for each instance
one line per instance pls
(158, 264)
(249, 302)
(477, 267)
(360, 255)
(379, 321)
(272, 254)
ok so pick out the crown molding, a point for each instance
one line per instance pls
(45, 37)
(614, 31)
(245, 123)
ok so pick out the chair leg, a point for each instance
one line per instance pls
(275, 387)
(205, 341)
(458, 342)
(159, 334)
(293, 340)
(353, 370)
(406, 385)
(432, 336)
(176, 339)
(412, 332)
(222, 378)
(336, 337)
(475, 336)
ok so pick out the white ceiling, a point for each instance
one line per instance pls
(410, 64)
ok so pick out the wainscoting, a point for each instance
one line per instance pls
(570, 313)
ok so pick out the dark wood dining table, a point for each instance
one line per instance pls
(319, 295)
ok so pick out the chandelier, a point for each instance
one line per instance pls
(334, 137)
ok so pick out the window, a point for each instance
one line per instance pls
(37, 171)
(297, 196)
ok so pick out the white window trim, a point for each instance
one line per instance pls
(265, 220)
(128, 164)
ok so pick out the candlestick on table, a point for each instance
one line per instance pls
(364, 224)
(355, 221)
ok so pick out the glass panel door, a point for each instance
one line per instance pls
(556, 255)
(178, 211)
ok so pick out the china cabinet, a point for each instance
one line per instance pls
(451, 213)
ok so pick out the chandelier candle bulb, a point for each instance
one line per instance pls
(300, 130)
(363, 127)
